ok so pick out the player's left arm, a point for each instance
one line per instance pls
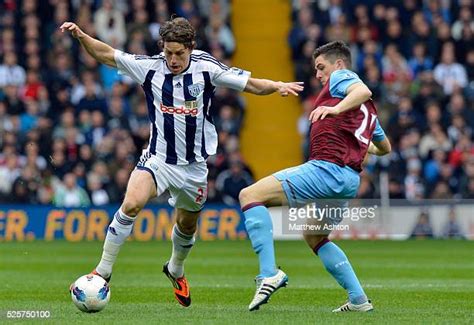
(240, 80)
(266, 87)
(380, 148)
(379, 145)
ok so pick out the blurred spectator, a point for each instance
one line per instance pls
(396, 73)
(92, 99)
(434, 139)
(452, 229)
(69, 194)
(9, 172)
(228, 121)
(220, 35)
(109, 24)
(5, 119)
(441, 191)
(448, 73)
(26, 186)
(419, 60)
(230, 182)
(116, 188)
(98, 195)
(15, 105)
(10, 72)
(395, 189)
(432, 168)
(213, 195)
(465, 20)
(414, 187)
(422, 227)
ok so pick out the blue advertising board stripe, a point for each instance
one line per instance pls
(36, 222)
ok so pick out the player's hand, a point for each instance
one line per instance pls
(321, 112)
(76, 32)
(287, 88)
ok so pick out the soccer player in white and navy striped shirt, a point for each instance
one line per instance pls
(179, 85)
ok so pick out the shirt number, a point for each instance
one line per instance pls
(363, 126)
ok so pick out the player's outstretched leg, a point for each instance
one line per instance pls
(339, 267)
(183, 240)
(140, 188)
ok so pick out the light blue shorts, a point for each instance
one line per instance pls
(318, 179)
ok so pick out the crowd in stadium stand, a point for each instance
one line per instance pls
(72, 129)
(417, 57)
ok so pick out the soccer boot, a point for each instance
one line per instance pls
(94, 271)
(266, 287)
(348, 306)
(180, 286)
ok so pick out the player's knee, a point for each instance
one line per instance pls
(315, 242)
(246, 196)
(187, 227)
(131, 207)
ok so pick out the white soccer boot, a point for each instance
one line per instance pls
(266, 287)
(348, 306)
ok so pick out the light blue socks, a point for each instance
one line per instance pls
(260, 230)
(338, 265)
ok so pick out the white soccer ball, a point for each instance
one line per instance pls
(90, 293)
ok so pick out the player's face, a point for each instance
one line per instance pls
(324, 68)
(177, 56)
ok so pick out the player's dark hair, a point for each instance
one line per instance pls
(178, 30)
(333, 51)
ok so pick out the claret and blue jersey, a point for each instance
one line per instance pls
(338, 147)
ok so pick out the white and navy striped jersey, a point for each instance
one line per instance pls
(181, 130)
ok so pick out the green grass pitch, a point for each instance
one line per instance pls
(412, 281)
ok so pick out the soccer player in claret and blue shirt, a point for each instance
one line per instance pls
(344, 128)
(179, 84)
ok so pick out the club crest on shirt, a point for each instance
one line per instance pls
(195, 89)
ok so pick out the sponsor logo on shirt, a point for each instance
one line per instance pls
(189, 109)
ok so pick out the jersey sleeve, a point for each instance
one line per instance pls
(134, 66)
(340, 80)
(223, 76)
(379, 134)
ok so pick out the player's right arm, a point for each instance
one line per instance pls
(100, 51)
